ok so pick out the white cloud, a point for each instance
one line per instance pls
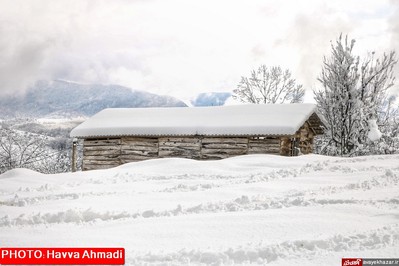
(179, 47)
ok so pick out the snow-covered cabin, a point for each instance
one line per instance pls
(121, 135)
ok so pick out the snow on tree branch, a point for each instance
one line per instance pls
(354, 91)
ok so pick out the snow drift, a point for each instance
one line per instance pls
(254, 209)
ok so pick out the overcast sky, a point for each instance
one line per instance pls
(182, 47)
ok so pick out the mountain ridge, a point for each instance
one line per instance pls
(70, 99)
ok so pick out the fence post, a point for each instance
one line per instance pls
(74, 154)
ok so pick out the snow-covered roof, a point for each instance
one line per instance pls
(253, 119)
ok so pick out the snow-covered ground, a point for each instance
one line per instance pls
(254, 209)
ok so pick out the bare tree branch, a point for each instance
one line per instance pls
(269, 85)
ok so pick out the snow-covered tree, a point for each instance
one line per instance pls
(354, 93)
(269, 85)
(21, 149)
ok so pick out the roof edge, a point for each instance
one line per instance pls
(182, 135)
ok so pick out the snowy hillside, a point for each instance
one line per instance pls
(63, 99)
(263, 209)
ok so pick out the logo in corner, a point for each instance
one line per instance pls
(352, 261)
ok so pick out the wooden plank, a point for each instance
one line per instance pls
(139, 148)
(259, 144)
(135, 158)
(264, 144)
(273, 146)
(179, 144)
(197, 147)
(180, 139)
(138, 139)
(101, 142)
(224, 145)
(132, 160)
(224, 140)
(139, 143)
(143, 156)
(97, 167)
(223, 151)
(264, 150)
(101, 148)
(215, 156)
(106, 152)
(102, 157)
(179, 152)
(96, 162)
(264, 141)
(174, 153)
(141, 153)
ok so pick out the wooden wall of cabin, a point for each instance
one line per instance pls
(181, 147)
(302, 140)
(106, 153)
(305, 137)
(286, 146)
(214, 148)
(135, 149)
(264, 145)
(101, 153)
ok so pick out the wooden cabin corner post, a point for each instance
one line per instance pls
(74, 154)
